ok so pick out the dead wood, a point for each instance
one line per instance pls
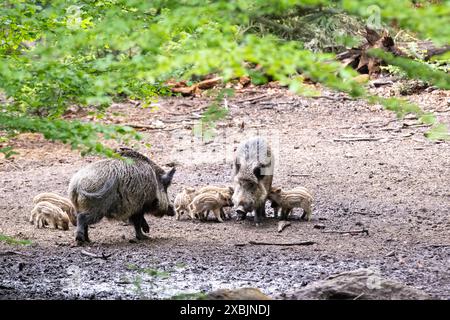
(350, 139)
(364, 231)
(252, 99)
(303, 243)
(94, 255)
(282, 225)
(10, 253)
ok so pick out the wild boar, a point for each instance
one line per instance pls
(252, 177)
(182, 201)
(295, 198)
(46, 213)
(60, 202)
(208, 201)
(227, 192)
(119, 189)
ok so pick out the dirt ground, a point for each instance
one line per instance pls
(396, 184)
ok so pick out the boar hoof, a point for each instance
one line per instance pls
(81, 238)
(145, 228)
(142, 237)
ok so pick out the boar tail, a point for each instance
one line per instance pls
(106, 188)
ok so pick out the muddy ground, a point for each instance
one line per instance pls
(397, 185)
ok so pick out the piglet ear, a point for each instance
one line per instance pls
(275, 190)
(166, 179)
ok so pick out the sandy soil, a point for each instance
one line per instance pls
(397, 186)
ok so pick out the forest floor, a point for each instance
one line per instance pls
(396, 184)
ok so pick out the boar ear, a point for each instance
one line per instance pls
(166, 179)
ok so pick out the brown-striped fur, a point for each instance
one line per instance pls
(46, 213)
(60, 202)
(295, 198)
(182, 201)
(227, 193)
(204, 202)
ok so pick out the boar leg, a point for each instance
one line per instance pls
(144, 225)
(204, 215)
(217, 214)
(224, 215)
(306, 213)
(136, 219)
(259, 214)
(284, 212)
(84, 219)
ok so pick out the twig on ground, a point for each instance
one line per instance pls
(282, 225)
(356, 138)
(303, 243)
(10, 253)
(352, 232)
(252, 99)
(340, 98)
(367, 213)
(94, 255)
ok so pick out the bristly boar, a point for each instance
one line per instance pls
(119, 189)
(298, 197)
(252, 177)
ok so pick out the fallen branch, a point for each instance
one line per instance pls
(10, 253)
(350, 139)
(150, 127)
(94, 255)
(209, 83)
(141, 126)
(367, 213)
(303, 243)
(340, 98)
(254, 98)
(365, 231)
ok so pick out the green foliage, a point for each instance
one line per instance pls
(205, 127)
(429, 19)
(415, 69)
(85, 136)
(59, 53)
(13, 241)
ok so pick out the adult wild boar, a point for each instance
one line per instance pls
(252, 177)
(119, 189)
